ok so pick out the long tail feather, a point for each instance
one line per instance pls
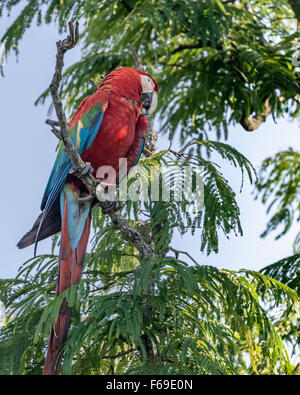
(69, 272)
(51, 225)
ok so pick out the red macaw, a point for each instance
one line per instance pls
(107, 126)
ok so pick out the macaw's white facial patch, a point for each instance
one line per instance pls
(147, 84)
(153, 104)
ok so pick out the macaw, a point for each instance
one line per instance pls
(107, 126)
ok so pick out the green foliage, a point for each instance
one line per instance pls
(200, 320)
(287, 271)
(279, 180)
(278, 185)
(218, 208)
(216, 63)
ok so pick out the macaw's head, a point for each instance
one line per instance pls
(134, 85)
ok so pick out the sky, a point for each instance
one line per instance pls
(28, 153)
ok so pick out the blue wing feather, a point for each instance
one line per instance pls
(140, 152)
(85, 131)
(63, 164)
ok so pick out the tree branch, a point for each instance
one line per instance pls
(177, 252)
(93, 83)
(121, 354)
(249, 8)
(197, 45)
(130, 233)
(253, 123)
(137, 59)
(77, 162)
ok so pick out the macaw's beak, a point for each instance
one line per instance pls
(149, 101)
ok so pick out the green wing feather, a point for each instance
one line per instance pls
(83, 133)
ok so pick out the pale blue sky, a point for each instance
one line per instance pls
(27, 157)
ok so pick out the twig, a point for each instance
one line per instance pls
(176, 153)
(54, 130)
(197, 45)
(92, 82)
(138, 62)
(121, 354)
(249, 8)
(105, 287)
(177, 252)
(115, 281)
(148, 151)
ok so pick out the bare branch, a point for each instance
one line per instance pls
(177, 252)
(93, 83)
(54, 130)
(138, 62)
(133, 235)
(148, 151)
(253, 123)
(248, 7)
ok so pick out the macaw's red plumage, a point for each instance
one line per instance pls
(107, 126)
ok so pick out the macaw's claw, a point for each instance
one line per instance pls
(87, 169)
(109, 206)
(86, 199)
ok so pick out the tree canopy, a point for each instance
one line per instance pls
(217, 63)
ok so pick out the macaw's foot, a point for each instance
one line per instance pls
(87, 169)
(109, 206)
(86, 199)
(107, 198)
